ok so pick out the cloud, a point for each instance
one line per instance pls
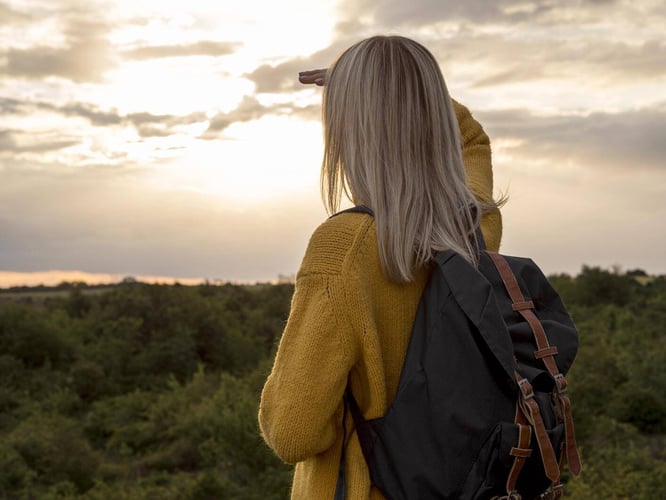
(202, 48)
(10, 106)
(283, 77)
(146, 124)
(511, 61)
(416, 12)
(29, 143)
(606, 44)
(625, 142)
(10, 16)
(248, 109)
(508, 41)
(358, 15)
(86, 56)
(86, 52)
(279, 78)
(251, 109)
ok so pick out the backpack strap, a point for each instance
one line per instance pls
(340, 492)
(530, 409)
(521, 452)
(362, 209)
(545, 352)
(478, 235)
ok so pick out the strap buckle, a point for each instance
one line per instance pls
(512, 495)
(552, 493)
(525, 388)
(560, 383)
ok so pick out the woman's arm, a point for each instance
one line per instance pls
(478, 166)
(299, 412)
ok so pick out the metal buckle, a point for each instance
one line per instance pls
(513, 495)
(525, 388)
(555, 491)
(560, 383)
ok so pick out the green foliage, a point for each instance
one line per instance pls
(620, 463)
(149, 391)
(618, 383)
(32, 338)
(54, 448)
(139, 391)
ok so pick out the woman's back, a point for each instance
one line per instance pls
(355, 301)
(346, 318)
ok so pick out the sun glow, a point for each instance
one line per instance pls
(258, 161)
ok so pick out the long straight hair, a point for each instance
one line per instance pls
(391, 143)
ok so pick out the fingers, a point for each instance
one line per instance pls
(316, 76)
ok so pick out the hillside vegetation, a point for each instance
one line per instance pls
(151, 391)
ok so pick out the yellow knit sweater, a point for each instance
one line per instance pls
(349, 323)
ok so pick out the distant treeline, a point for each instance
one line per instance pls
(70, 285)
(151, 391)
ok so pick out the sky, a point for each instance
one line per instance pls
(169, 139)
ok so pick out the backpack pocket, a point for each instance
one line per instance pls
(488, 474)
(532, 480)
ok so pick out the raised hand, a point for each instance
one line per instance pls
(316, 76)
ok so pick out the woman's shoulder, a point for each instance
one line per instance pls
(337, 242)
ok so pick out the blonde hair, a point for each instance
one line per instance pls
(391, 144)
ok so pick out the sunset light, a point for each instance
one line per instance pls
(172, 139)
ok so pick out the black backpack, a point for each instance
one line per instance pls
(481, 410)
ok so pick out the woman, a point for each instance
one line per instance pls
(391, 144)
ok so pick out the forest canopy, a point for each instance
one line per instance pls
(138, 391)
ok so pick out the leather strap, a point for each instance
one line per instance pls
(545, 352)
(573, 458)
(532, 412)
(520, 452)
(526, 310)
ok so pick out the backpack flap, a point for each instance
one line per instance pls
(474, 295)
(548, 307)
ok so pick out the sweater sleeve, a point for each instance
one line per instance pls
(300, 404)
(478, 166)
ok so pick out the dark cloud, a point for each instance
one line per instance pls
(146, 124)
(510, 75)
(85, 57)
(501, 58)
(202, 48)
(248, 109)
(359, 15)
(311, 112)
(279, 78)
(149, 125)
(417, 12)
(10, 106)
(627, 141)
(631, 139)
(90, 113)
(629, 61)
(251, 109)
(11, 16)
(283, 77)
(9, 144)
(511, 61)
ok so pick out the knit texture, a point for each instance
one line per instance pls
(349, 323)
